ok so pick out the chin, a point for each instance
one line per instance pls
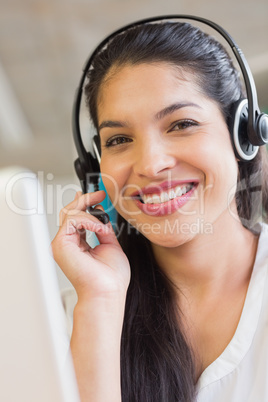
(176, 233)
(169, 240)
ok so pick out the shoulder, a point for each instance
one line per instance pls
(262, 230)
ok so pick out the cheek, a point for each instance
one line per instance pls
(117, 179)
(114, 177)
(216, 159)
(110, 181)
(220, 183)
(215, 153)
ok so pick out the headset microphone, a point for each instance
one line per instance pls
(87, 164)
(248, 126)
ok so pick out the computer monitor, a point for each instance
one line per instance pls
(35, 363)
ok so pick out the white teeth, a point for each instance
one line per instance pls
(156, 199)
(178, 191)
(147, 199)
(165, 196)
(171, 194)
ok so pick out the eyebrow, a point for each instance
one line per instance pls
(172, 108)
(112, 123)
(159, 115)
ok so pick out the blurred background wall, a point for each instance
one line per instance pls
(43, 46)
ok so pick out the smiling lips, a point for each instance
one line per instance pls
(165, 198)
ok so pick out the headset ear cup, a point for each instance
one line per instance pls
(262, 128)
(89, 173)
(81, 174)
(238, 123)
(97, 149)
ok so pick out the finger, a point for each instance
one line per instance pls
(81, 202)
(78, 194)
(106, 234)
(76, 222)
(84, 246)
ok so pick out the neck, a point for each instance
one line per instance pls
(209, 263)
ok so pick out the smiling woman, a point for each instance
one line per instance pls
(174, 139)
(174, 310)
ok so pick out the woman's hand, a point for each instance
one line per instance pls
(100, 276)
(99, 272)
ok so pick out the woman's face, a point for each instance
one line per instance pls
(167, 161)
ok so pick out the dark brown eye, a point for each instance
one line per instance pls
(183, 124)
(118, 140)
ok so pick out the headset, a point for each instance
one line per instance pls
(248, 126)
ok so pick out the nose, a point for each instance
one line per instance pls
(153, 158)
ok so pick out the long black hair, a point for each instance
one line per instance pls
(157, 363)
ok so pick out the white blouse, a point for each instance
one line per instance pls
(240, 373)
